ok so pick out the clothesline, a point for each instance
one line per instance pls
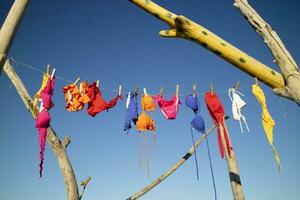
(16, 62)
(90, 94)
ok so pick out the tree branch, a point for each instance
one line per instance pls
(53, 140)
(9, 28)
(84, 184)
(66, 141)
(281, 55)
(184, 28)
(157, 181)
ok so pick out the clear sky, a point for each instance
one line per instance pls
(117, 42)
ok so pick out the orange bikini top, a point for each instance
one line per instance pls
(83, 89)
(148, 103)
(73, 98)
(145, 123)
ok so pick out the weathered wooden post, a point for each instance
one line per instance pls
(9, 28)
(235, 180)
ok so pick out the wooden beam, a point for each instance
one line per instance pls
(187, 29)
(9, 28)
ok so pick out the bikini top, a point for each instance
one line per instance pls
(148, 103)
(169, 108)
(192, 103)
(198, 124)
(216, 111)
(145, 122)
(74, 101)
(37, 96)
(47, 93)
(83, 89)
(237, 104)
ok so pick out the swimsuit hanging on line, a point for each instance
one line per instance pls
(43, 118)
(83, 90)
(237, 105)
(146, 123)
(267, 121)
(192, 102)
(131, 111)
(97, 104)
(216, 111)
(169, 108)
(74, 100)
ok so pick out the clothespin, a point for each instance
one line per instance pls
(120, 90)
(161, 91)
(194, 90)
(145, 92)
(236, 85)
(177, 91)
(97, 83)
(77, 80)
(211, 89)
(256, 80)
(48, 69)
(136, 90)
(52, 74)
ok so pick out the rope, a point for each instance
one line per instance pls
(16, 62)
(195, 154)
(140, 150)
(211, 168)
(147, 155)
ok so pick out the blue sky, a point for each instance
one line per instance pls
(118, 43)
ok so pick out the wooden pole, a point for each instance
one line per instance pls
(187, 29)
(9, 28)
(234, 176)
(189, 153)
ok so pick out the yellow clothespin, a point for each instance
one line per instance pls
(211, 89)
(161, 91)
(177, 91)
(194, 90)
(97, 83)
(48, 69)
(120, 90)
(77, 80)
